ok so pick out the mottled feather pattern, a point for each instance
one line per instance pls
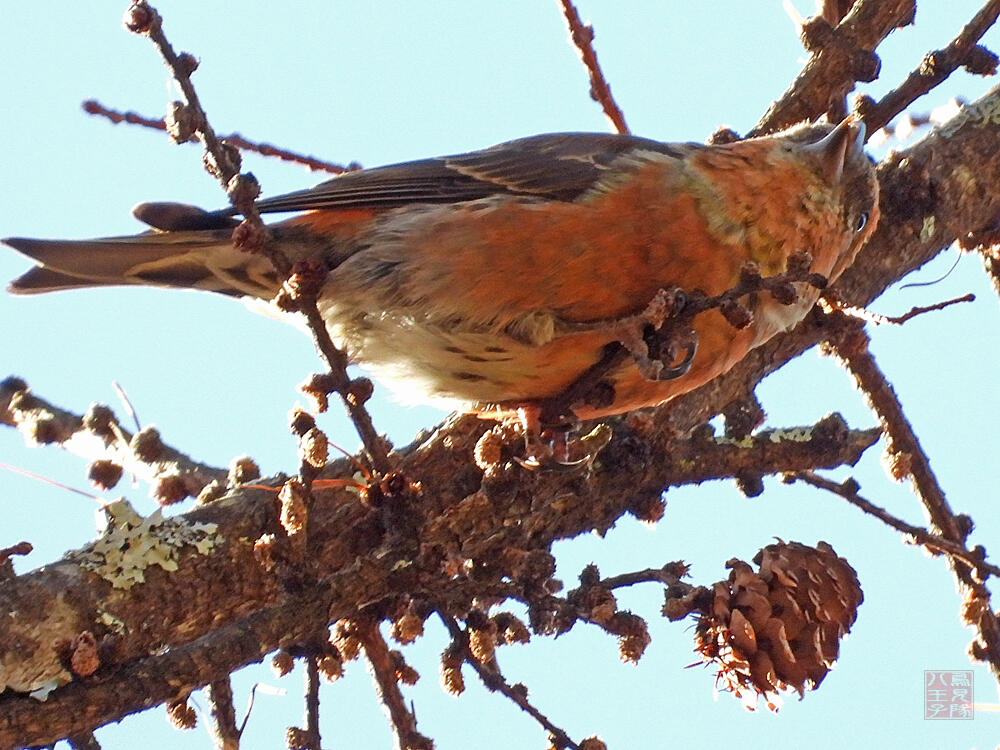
(495, 278)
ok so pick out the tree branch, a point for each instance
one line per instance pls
(383, 669)
(99, 437)
(908, 459)
(94, 107)
(600, 90)
(225, 734)
(493, 679)
(933, 542)
(935, 68)
(841, 56)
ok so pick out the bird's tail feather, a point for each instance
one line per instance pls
(202, 259)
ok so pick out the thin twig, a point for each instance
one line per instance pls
(850, 344)
(127, 403)
(312, 702)
(94, 107)
(249, 708)
(903, 127)
(337, 361)
(52, 482)
(494, 681)
(871, 317)
(404, 721)
(222, 726)
(669, 575)
(252, 235)
(935, 68)
(934, 542)
(600, 91)
(98, 436)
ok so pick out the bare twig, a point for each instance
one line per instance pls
(127, 403)
(249, 708)
(312, 703)
(223, 161)
(600, 91)
(494, 681)
(93, 107)
(404, 721)
(849, 343)
(97, 436)
(934, 542)
(903, 127)
(353, 393)
(871, 317)
(669, 575)
(222, 726)
(935, 68)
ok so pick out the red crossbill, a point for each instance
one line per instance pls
(495, 278)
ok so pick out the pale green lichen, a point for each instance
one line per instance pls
(111, 622)
(927, 230)
(686, 465)
(132, 543)
(966, 180)
(791, 435)
(745, 442)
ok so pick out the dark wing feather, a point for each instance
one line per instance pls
(558, 166)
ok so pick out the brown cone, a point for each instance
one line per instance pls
(779, 628)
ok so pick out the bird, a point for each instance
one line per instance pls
(492, 280)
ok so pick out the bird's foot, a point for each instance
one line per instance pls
(552, 447)
(658, 339)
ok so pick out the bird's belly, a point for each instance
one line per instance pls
(486, 371)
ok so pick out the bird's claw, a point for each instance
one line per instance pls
(551, 448)
(684, 366)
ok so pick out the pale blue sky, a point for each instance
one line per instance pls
(384, 82)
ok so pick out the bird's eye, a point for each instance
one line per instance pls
(862, 221)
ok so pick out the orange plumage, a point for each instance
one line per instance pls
(495, 278)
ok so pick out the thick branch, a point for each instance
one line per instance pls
(153, 680)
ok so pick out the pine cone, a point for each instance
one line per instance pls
(779, 628)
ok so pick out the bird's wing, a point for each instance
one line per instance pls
(558, 166)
